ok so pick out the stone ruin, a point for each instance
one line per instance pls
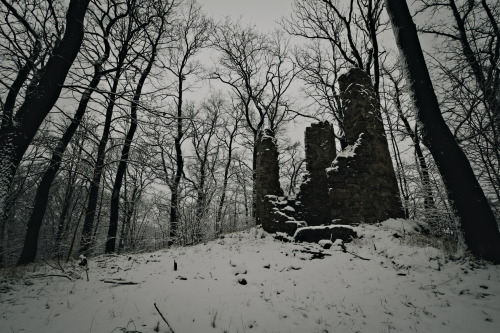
(320, 152)
(267, 177)
(274, 211)
(359, 186)
(361, 181)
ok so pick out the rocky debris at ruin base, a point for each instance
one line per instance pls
(332, 232)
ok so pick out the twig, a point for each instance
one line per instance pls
(318, 253)
(433, 286)
(357, 256)
(59, 266)
(164, 319)
(48, 275)
(120, 282)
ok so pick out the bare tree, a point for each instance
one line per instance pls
(468, 200)
(395, 91)
(105, 23)
(18, 128)
(204, 165)
(292, 165)
(128, 36)
(229, 134)
(161, 11)
(193, 29)
(466, 62)
(259, 71)
(343, 34)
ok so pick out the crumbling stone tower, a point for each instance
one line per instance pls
(267, 178)
(320, 152)
(361, 180)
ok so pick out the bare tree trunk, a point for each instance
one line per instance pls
(122, 166)
(468, 200)
(73, 239)
(88, 224)
(229, 160)
(16, 137)
(68, 205)
(42, 195)
(179, 168)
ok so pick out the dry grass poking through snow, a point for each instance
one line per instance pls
(249, 282)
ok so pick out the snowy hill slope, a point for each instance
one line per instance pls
(250, 282)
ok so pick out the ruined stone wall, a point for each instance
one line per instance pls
(267, 179)
(361, 180)
(280, 214)
(320, 152)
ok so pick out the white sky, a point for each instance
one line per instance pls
(265, 14)
(262, 13)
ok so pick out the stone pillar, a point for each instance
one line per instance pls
(320, 153)
(267, 178)
(362, 183)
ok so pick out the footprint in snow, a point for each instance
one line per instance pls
(238, 268)
(241, 280)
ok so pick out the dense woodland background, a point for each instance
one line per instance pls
(151, 138)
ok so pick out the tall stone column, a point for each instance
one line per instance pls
(362, 183)
(320, 153)
(267, 179)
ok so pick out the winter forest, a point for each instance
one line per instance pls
(128, 136)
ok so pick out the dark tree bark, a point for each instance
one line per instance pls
(68, 206)
(42, 196)
(16, 135)
(192, 36)
(122, 166)
(429, 204)
(179, 168)
(473, 41)
(131, 29)
(88, 224)
(465, 194)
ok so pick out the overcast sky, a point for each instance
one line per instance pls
(262, 13)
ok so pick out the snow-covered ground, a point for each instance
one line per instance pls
(250, 282)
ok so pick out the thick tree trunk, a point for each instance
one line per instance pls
(15, 139)
(117, 185)
(174, 197)
(122, 166)
(465, 194)
(42, 195)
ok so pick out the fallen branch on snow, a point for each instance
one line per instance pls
(354, 254)
(37, 276)
(119, 281)
(316, 254)
(164, 319)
